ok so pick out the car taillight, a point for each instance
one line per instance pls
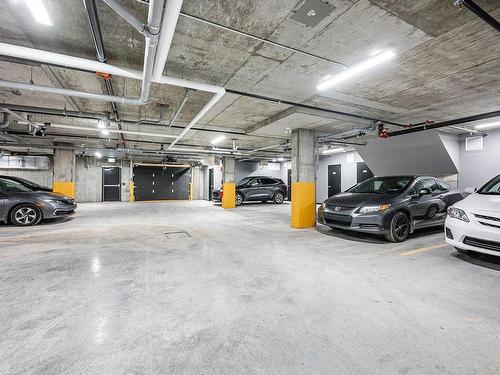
(221, 193)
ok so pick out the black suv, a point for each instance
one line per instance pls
(257, 188)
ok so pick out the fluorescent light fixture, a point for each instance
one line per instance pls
(489, 125)
(218, 139)
(97, 154)
(105, 132)
(111, 160)
(39, 12)
(353, 71)
(281, 159)
(101, 124)
(333, 151)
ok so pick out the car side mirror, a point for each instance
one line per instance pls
(470, 190)
(424, 191)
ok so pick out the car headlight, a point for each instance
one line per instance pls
(457, 213)
(54, 201)
(368, 209)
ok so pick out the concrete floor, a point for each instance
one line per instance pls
(108, 292)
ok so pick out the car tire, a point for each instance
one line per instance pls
(399, 228)
(239, 199)
(25, 215)
(278, 198)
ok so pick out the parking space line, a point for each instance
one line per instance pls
(425, 249)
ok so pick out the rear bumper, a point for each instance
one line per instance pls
(472, 236)
(370, 223)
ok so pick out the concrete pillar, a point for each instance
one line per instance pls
(64, 170)
(303, 214)
(228, 186)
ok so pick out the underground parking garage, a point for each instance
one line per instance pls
(243, 187)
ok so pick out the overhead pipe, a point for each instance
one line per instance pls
(172, 11)
(268, 147)
(32, 127)
(69, 92)
(480, 12)
(127, 16)
(179, 109)
(6, 121)
(85, 64)
(117, 131)
(437, 125)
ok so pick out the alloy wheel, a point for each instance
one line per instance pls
(402, 227)
(25, 215)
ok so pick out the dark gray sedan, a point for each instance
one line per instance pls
(392, 206)
(23, 206)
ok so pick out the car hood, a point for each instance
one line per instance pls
(40, 195)
(480, 203)
(359, 199)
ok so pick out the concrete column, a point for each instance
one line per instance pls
(303, 214)
(228, 186)
(64, 170)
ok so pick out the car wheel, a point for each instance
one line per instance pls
(432, 211)
(278, 198)
(25, 215)
(399, 228)
(239, 199)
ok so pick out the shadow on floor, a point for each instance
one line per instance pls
(483, 260)
(45, 222)
(372, 238)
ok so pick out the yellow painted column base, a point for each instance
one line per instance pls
(64, 187)
(229, 195)
(303, 205)
(132, 191)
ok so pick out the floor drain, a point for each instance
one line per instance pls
(177, 235)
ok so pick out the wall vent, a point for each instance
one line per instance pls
(474, 143)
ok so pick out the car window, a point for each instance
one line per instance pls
(254, 182)
(10, 186)
(244, 181)
(442, 185)
(425, 183)
(382, 185)
(492, 187)
(267, 181)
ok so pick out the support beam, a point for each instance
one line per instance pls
(64, 170)
(229, 185)
(303, 211)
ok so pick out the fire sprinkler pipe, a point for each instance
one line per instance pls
(69, 92)
(117, 131)
(58, 59)
(480, 12)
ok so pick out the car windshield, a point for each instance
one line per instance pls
(10, 186)
(244, 181)
(382, 185)
(30, 183)
(492, 187)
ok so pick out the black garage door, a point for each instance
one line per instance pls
(153, 183)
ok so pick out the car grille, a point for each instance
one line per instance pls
(338, 208)
(483, 244)
(487, 217)
(68, 201)
(334, 219)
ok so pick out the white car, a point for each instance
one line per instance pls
(473, 224)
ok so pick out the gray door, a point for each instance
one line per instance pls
(267, 185)
(334, 179)
(111, 184)
(253, 190)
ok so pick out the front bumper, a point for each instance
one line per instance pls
(472, 236)
(348, 219)
(54, 210)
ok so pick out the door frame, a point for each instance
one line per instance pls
(119, 185)
(339, 165)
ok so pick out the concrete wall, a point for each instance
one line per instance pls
(478, 167)
(251, 168)
(348, 161)
(89, 179)
(40, 176)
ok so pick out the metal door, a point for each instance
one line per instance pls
(334, 179)
(210, 183)
(364, 173)
(111, 184)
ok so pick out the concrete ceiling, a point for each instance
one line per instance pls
(447, 66)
